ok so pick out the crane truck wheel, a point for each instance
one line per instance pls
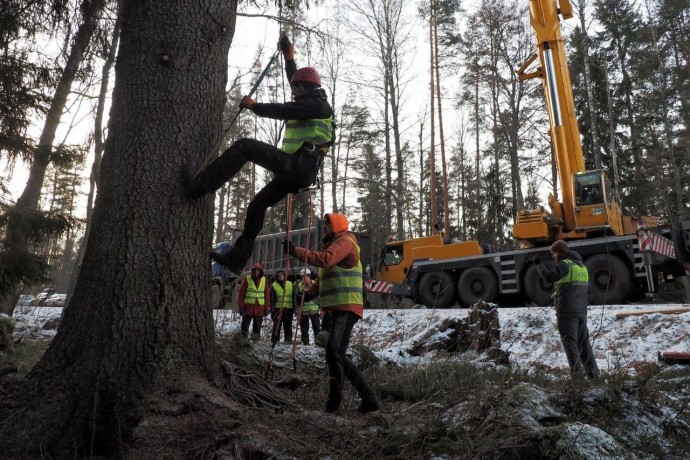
(437, 290)
(475, 284)
(538, 290)
(610, 281)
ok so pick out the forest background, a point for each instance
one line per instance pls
(630, 70)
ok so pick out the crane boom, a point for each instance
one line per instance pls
(573, 217)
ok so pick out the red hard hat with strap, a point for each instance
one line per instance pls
(306, 74)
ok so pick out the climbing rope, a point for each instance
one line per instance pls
(249, 389)
(279, 317)
(301, 301)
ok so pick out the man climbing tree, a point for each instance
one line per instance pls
(139, 320)
(308, 135)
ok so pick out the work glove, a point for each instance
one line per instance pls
(247, 102)
(289, 248)
(286, 47)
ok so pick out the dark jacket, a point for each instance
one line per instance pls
(309, 106)
(569, 298)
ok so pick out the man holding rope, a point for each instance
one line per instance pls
(339, 286)
(571, 291)
(307, 137)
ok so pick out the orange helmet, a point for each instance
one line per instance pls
(306, 74)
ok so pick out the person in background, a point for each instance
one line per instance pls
(571, 294)
(310, 308)
(282, 306)
(253, 301)
(339, 286)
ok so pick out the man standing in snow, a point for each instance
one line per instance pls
(339, 287)
(570, 293)
(253, 301)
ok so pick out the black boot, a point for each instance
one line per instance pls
(333, 404)
(231, 263)
(335, 396)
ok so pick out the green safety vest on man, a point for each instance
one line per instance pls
(318, 131)
(254, 293)
(577, 276)
(341, 286)
(283, 299)
(309, 306)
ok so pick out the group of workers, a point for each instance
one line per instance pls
(308, 135)
(282, 299)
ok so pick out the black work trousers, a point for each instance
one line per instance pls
(315, 320)
(255, 321)
(292, 172)
(282, 317)
(339, 365)
(572, 327)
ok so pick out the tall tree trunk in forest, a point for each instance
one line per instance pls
(626, 85)
(444, 166)
(612, 132)
(420, 225)
(99, 146)
(668, 129)
(17, 238)
(478, 152)
(589, 85)
(139, 317)
(433, 211)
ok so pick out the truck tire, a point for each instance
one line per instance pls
(538, 290)
(610, 281)
(475, 284)
(437, 290)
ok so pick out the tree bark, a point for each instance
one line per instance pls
(139, 317)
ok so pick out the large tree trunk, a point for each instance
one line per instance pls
(17, 236)
(139, 316)
(99, 145)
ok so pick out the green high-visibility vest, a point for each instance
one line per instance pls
(341, 286)
(309, 306)
(254, 293)
(318, 131)
(577, 276)
(283, 300)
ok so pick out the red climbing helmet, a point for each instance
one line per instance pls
(307, 74)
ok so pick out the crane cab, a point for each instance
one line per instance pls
(596, 206)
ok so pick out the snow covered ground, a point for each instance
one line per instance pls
(528, 334)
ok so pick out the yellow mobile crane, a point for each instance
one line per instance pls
(623, 262)
(589, 206)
